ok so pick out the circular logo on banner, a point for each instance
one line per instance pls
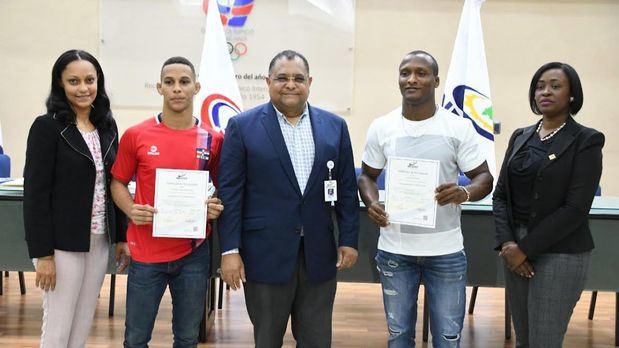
(476, 107)
(217, 109)
(233, 13)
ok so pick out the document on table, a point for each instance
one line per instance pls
(409, 198)
(180, 200)
(12, 185)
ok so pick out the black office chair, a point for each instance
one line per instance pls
(22, 282)
(380, 181)
(220, 292)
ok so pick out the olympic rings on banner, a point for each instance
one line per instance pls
(237, 50)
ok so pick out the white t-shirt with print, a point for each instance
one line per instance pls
(445, 137)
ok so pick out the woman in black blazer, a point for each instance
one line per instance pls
(541, 203)
(69, 217)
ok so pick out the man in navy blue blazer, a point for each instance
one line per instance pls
(286, 169)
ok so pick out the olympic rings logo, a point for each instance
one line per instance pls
(237, 50)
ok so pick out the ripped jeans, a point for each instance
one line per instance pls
(444, 278)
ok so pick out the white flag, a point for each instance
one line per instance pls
(219, 99)
(467, 89)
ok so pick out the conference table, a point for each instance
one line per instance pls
(14, 253)
(485, 268)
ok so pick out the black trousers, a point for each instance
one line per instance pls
(309, 305)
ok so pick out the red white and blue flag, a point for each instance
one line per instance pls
(220, 98)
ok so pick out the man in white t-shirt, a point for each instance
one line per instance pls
(408, 255)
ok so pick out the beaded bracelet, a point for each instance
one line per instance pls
(468, 194)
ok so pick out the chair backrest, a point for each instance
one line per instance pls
(5, 166)
(380, 181)
(463, 180)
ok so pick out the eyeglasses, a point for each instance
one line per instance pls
(297, 80)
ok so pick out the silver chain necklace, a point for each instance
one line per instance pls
(417, 131)
(551, 134)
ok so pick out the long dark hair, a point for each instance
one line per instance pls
(57, 103)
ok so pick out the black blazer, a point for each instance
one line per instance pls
(562, 193)
(59, 180)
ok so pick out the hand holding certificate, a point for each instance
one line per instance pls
(410, 191)
(180, 200)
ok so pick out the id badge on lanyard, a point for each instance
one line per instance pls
(330, 186)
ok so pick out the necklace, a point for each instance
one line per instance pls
(551, 134)
(416, 132)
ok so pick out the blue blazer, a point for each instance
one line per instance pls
(265, 210)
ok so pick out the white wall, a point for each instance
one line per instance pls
(520, 35)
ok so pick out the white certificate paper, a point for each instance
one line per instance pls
(180, 200)
(409, 198)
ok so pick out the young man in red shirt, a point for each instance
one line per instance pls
(174, 139)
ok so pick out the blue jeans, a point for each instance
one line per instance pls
(444, 278)
(146, 283)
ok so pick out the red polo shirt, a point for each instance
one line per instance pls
(151, 145)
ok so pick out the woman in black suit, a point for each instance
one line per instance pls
(69, 217)
(549, 176)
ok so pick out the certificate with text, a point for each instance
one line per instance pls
(180, 200)
(410, 197)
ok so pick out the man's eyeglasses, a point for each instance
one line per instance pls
(282, 79)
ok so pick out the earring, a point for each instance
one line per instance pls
(571, 99)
